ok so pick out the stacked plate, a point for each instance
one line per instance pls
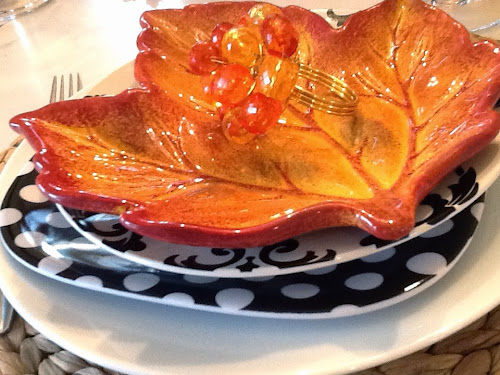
(330, 273)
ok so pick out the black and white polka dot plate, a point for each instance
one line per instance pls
(37, 235)
(310, 251)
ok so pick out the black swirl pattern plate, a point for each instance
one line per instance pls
(37, 235)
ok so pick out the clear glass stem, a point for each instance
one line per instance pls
(10, 9)
(476, 15)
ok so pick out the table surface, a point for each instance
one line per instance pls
(91, 37)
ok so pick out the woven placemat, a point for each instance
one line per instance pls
(475, 350)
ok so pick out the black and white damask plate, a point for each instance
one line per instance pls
(307, 252)
(37, 235)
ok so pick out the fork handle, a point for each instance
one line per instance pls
(7, 316)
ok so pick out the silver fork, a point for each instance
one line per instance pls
(7, 311)
(53, 91)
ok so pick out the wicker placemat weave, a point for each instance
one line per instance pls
(475, 350)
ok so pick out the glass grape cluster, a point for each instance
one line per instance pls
(250, 73)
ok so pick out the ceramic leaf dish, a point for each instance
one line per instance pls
(157, 155)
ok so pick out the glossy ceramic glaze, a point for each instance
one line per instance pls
(158, 157)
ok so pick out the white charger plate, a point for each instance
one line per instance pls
(138, 337)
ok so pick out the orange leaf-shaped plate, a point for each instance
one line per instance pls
(157, 155)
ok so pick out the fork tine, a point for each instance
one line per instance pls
(79, 84)
(53, 91)
(71, 88)
(70, 93)
(61, 90)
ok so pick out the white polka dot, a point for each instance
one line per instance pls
(441, 229)
(364, 281)
(54, 265)
(322, 271)
(56, 219)
(234, 298)
(27, 168)
(380, 256)
(423, 212)
(477, 210)
(89, 280)
(195, 279)
(29, 239)
(138, 282)
(300, 290)
(32, 193)
(179, 299)
(346, 309)
(9, 216)
(427, 263)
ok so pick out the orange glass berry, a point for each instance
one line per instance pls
(258, 12)
(202, 56)
(277, 77)
(219, 31)
(259, 113)
(231, 126)
(222, 109)
(231, 84)
(241, 45)
(206, 86)
(279, 35)
(244, 21)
